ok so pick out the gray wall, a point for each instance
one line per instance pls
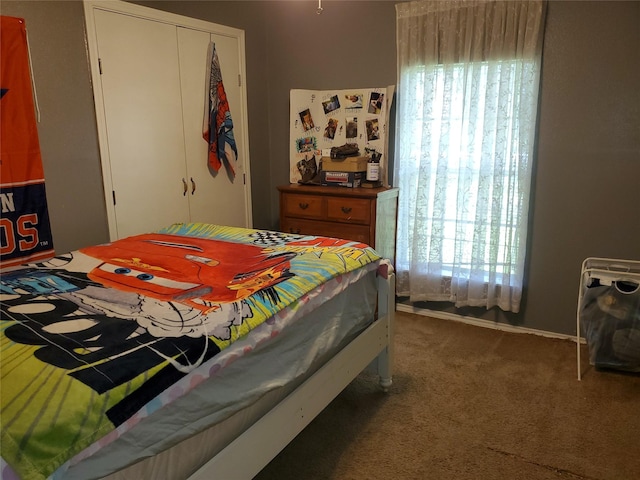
(588, 168)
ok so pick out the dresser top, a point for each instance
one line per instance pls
(338, 191)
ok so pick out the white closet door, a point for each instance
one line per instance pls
(143, 113)
(217, 197)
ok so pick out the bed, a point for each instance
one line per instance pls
(198, 351)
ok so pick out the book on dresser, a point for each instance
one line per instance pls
(366, 215)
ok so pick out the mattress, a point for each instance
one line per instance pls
(272, 372)
(254, 304)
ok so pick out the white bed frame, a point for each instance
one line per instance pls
(271, 433)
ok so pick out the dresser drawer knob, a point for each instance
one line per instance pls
(346, 209)
(303, 205)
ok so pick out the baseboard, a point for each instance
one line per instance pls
(479, 322)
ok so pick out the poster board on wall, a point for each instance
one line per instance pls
(322, 119)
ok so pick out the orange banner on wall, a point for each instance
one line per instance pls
(25, 232)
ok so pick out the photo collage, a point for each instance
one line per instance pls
(321, 120)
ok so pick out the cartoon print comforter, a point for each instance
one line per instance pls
(91, 337)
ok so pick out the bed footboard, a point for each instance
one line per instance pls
(269, 435)
(387, 308)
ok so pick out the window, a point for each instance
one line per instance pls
(464, 152)
(465, 166)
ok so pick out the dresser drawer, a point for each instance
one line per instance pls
(357, 233)
(351, 210)
(365, 215)
(307, 206)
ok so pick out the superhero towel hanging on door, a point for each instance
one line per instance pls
(25, 232)
(218, 126)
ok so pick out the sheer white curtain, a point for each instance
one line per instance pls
(468, 81)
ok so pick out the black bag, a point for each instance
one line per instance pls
(308, 169)
(610, 319)
(344, 151)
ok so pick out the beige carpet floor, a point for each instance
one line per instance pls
(474, 403)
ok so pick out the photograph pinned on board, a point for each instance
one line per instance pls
(373, 129)
(331, 105)
(351, 129)
(375, 102)
(353, 101)
(306, 144)
(306, 119)
(330, 129)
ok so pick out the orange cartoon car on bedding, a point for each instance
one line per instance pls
(195, 271)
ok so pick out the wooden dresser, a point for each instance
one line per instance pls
(366, 215)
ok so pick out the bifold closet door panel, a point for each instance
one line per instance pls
(213, 197)
(143, 115)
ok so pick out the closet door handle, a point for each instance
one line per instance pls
(346, 209)
(184, 187)
(193, 186)
(303, 206)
